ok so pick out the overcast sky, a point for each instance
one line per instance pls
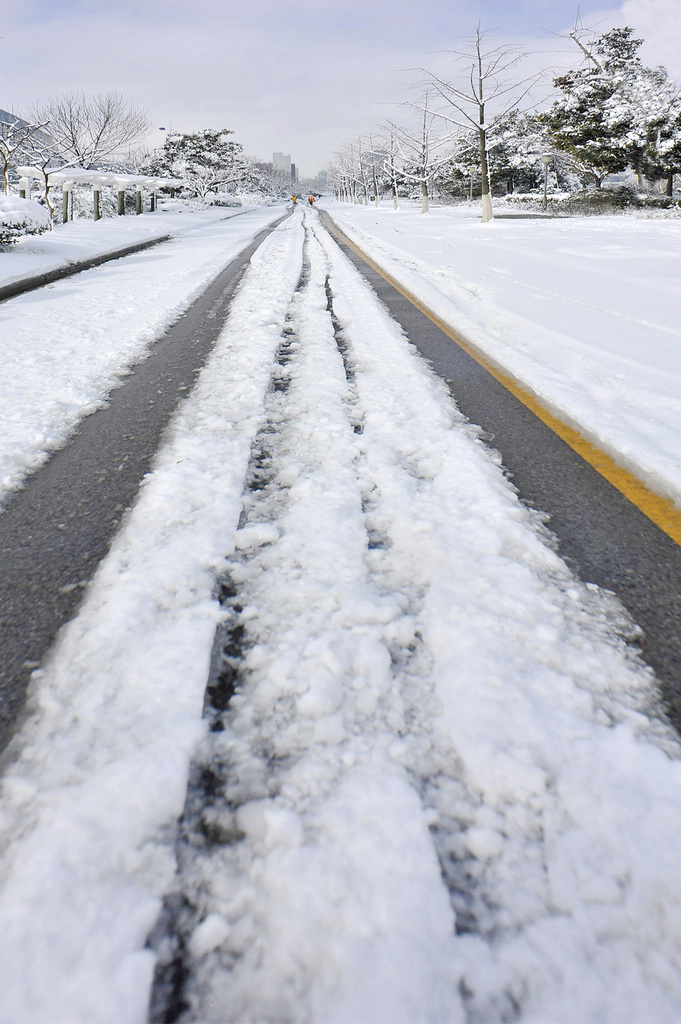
(301, 76)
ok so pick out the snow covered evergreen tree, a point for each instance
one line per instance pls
(616, 113)
(207, 160)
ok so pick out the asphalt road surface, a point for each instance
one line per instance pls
(55, 532)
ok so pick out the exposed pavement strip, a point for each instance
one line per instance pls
(611, 529)
(55, 532)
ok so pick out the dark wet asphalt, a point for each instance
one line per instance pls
(54, 533)
(603, 537)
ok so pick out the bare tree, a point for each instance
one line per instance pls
(418, 148)
(390, 165)
(14, 136)
(346, 170)
(482, 96)
(362, 169)
(89, 129)
(43, 157)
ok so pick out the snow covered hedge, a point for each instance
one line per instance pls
(610, 200)
(21, 217)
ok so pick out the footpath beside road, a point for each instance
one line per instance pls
(99, 247)
(31, 283)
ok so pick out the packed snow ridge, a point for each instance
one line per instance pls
(426, 781)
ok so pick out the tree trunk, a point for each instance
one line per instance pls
(487, 213)
(48, 201)
(365, 187)
(393, 176)
(424, 194)
(485, 191)
(670, 183)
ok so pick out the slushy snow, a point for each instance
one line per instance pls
(441, 791)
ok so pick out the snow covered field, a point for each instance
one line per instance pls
(438, 794)
(66, 346)
(583, 312)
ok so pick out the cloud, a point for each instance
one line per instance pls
(301, 77)
(658, 22)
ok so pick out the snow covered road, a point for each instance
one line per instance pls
(55, 531)
(428, 785)
(67, 346)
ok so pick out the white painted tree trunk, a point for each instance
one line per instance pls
(487, 214)
(424, 192)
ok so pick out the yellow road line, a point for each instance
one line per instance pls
(659, 510)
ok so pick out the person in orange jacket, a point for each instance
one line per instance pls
(294, 199)
(311, 200)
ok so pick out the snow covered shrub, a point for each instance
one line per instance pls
(610, 200)
(222, 199)
(21, 217)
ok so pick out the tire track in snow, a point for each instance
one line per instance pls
(248, 770)
(336, 790)
(204, 820)
(95, 782)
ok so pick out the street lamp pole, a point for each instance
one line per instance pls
(546, 160)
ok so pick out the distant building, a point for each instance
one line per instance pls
(6, 118)
(294, 172)
(282, 162)
(322, 179)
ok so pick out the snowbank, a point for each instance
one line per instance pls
(21, 217)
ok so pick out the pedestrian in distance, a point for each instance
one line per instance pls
(311, 200)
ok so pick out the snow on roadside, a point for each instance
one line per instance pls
(90, 802)
(67, 345)
(583, 312)
(81, 240)
(442, 798)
